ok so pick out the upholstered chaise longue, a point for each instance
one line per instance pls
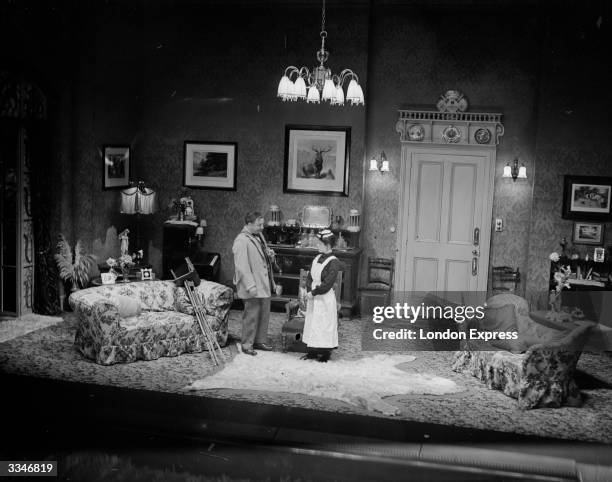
(538, 369)
(145, 320)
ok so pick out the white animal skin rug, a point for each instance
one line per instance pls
(363, 382)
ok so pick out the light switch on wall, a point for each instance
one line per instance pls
(499, 225)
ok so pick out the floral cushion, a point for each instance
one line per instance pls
(160, 330)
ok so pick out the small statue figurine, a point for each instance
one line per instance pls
(125, 241)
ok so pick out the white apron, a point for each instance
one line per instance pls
(321, 323)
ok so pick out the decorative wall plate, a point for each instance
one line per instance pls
(451, 134)
(416, 132)
(482, 136)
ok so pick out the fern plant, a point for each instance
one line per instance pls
(73, 268)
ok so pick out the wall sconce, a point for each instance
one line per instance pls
(382, 165)
(514, 171)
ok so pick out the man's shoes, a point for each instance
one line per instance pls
(263, 347)
(249, 351)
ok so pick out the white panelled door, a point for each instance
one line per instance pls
(445, 220)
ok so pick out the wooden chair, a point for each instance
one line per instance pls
(379, 284)
(291, 331)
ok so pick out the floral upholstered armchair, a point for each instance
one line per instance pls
(125, 322)
(537, 369)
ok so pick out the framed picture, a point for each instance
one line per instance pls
(599, 255)
(146, 274)
(116, 167)
(108, 278)
(588, 233)
(317, 159)
(210, 165)
(587, 197)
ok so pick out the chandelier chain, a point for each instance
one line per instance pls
(323, 17)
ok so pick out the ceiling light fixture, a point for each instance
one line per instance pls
(320, 84)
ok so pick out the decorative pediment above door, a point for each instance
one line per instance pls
(450, 124)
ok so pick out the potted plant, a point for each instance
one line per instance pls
(74, 268)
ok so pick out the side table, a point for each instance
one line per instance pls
(97, 281)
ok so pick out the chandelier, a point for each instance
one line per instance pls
(319, 84)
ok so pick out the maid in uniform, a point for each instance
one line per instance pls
(321, 323)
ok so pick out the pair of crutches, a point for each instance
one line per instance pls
(187, 280)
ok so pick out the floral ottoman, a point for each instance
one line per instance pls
(163, 323)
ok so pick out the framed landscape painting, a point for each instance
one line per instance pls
(587, 198)
(588, 233)
(317, 160)
(116, 167)
(210, 165)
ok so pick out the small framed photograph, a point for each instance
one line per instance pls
(116, 167)
(598, 255)
(146, 274)
(210, 165)
(587, 197)
(588, 233)
(108, 278)
(317, 160)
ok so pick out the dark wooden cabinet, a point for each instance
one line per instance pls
(290, 260)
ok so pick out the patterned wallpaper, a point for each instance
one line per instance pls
(412, 67)
(547, 226)
(189, 83)
(166, 79)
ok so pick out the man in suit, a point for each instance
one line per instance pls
(254, 282)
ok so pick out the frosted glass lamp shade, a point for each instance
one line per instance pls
(313, 95)
(285, 87)
(329, 90)
(300, 88)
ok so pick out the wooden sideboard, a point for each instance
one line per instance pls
(290, 260)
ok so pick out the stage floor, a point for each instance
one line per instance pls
(46, 359)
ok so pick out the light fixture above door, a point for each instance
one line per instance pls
(320, 84)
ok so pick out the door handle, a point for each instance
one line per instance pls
(476, 236)
(474, 266)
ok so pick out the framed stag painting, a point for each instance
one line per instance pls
(317, 159)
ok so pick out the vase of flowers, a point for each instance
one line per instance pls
(561, 278)
(124, 263)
